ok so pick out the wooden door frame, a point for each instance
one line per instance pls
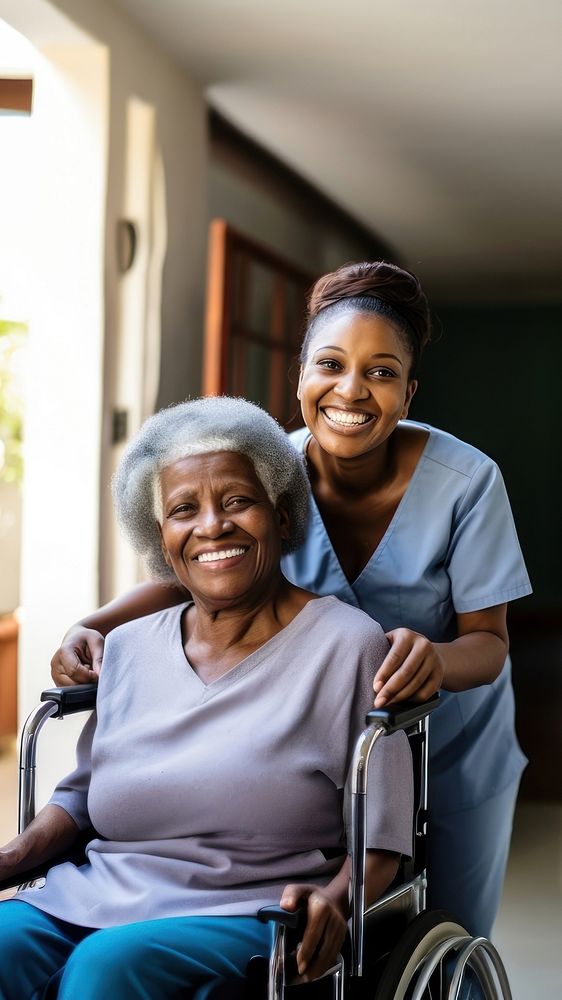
(224, 243)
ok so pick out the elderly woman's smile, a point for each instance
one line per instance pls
(220, 533)
(220, 555)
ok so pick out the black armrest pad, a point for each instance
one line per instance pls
(403, 714)
(296, 919)
(79, 698)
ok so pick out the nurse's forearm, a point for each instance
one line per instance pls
(142, 600)
(478, 654)
(472, 660)
(78, 660)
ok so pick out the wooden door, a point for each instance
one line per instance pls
(255, 312)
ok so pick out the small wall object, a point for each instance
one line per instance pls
(127, 240)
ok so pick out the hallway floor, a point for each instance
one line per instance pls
(528, 932)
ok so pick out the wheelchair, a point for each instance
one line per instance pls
(396, 948)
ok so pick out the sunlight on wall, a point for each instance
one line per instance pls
(52, 240)
(138, 326)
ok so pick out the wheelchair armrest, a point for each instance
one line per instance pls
(294, 919)
(79, 698)
(403, 714)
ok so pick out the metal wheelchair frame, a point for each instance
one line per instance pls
(434, 937)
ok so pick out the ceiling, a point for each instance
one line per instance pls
(436, 124)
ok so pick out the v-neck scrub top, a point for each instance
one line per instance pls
(450, 547)
(209, 799)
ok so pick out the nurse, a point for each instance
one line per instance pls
(414, 527)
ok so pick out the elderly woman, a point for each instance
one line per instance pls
(213, 770)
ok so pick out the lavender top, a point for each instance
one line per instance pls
(209, 799)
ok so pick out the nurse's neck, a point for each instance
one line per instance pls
(353, 476)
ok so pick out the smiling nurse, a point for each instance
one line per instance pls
(414, 527)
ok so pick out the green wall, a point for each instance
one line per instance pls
(493, 376)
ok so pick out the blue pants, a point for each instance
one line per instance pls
(469, 882)
(176, 957)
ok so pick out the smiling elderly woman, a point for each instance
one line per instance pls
(213, 770)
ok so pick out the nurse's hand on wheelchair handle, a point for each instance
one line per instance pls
(326, 927)
(79, 658)
(412, 669)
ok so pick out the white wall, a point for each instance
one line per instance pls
(91, 66)
(10, 531)
(140, 69)
(54, 201)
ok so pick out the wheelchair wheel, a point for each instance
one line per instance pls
(426, 931)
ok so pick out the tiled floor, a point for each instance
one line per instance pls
(528, 933)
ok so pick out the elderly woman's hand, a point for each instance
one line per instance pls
(8, 864)
(412, 669)
(79, 658)
(326, 926)
(50, 834)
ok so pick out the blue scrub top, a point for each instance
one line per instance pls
(450, 547)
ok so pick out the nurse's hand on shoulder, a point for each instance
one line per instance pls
(78, 660)
(412, 669)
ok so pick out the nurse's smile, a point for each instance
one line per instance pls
(347, 421)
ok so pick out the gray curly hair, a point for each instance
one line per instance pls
(200, 426)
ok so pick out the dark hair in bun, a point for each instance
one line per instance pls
(380, 288)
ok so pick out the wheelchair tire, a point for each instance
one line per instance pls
(428, 929)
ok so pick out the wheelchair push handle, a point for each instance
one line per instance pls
(78, 698)
(402, 714)
(295, 920)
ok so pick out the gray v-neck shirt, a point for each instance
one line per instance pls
(209, 799)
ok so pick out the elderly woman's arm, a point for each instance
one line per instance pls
(328, 909)
(78, 659)
(51, 833)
